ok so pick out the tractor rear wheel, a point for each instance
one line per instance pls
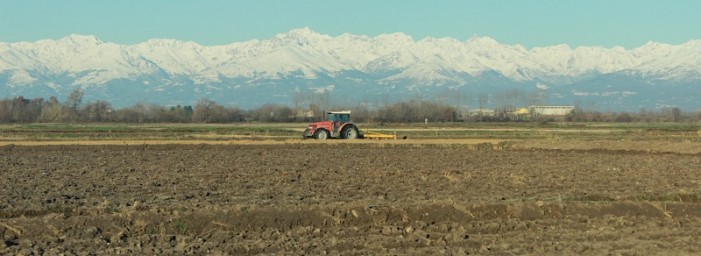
(350, 133)
(321, 134)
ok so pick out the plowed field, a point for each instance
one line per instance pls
(349, 199)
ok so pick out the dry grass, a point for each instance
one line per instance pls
(244, 142)
(653, 138)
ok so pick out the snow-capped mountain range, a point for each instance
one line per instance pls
(352, 67)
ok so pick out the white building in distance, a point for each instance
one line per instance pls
(550, 111)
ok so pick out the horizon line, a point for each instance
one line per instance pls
(314, 32)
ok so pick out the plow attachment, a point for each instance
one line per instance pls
(379, 136)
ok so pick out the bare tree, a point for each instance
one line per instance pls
(75, 99)
(70, 107)
(676, 114)
(97, 111)
(204, 110)
(51, 112)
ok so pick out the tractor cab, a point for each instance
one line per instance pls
(339, 117)
(336, 125)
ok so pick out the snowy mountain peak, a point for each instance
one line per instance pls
(395, 37)
(81, 40)
(483, 41)
(302, 35)
(300, 32)
(558, 47)
(651, 47)
(693, 43)
(169, 43)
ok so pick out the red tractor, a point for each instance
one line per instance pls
(336, 125)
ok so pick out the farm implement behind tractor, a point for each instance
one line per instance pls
(379, 136)
(339, 125)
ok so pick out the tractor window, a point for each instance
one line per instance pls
(332, 118)
(344, 118)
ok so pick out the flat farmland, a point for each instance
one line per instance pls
(445, 190)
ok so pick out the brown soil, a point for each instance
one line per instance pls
(348, 198)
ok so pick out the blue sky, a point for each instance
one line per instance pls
(627, 23)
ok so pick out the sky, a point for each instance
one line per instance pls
(608, 23)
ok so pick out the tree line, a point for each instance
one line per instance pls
(74, 110)
(305, 109)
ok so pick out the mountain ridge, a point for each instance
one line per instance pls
(300, 58)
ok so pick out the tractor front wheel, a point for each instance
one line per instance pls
(350, 133)
(321, 134)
